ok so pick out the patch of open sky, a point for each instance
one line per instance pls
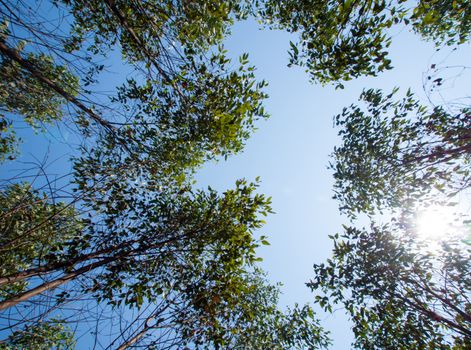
(290, 152)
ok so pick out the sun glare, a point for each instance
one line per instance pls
(436, 222)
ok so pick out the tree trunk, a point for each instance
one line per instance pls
(70, 276)
(54, 284)
(38, 271)
(134, 339)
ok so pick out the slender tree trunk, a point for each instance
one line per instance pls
(445, 301)
(419, 306)
(38, 271)
(446, 154)
(134, 339)
(87, 268)
(54, 284)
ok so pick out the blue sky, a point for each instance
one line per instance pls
(290, 152)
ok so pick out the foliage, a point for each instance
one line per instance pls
(395, 152)
(199, 24)
(261, 325)
(397, 294)
(184, 252)
(41, 336)
(211, 116)
(142, 244)
(8, 140)
(22, 94)
(183, 104)
(339, 41)
(33, 229)
(256, 322)
(443, 21)
(182, 235)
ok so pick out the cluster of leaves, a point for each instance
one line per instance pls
(261, 325)
(198, 24)
(342, 40)
(394, 153)
(209, 113)
(8, 140)
(183, 105)
(447, 22)
(22, 94)
(338, 40)
(41, 336)
(397, 294)
(247, 319)
(33, 232)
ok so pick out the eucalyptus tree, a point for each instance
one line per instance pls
(43, 335)
(143, 233)
(132, 233)
(395, 155)
(180, 261)
(181, 248)
(397, 293)
(158, 234)
(256, 322)
(260, 324)
(342, 40)
(396, 152)
(182, 97)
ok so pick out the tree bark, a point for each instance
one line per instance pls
(54, 284)
(70, 276)
(134, 339)
(38, 271)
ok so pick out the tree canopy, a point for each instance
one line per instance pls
(342, 40)
(128, 243)
(126, 249)
(394, 153)
(399, 156)
(396, 293)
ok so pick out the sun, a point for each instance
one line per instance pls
(436, 222)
